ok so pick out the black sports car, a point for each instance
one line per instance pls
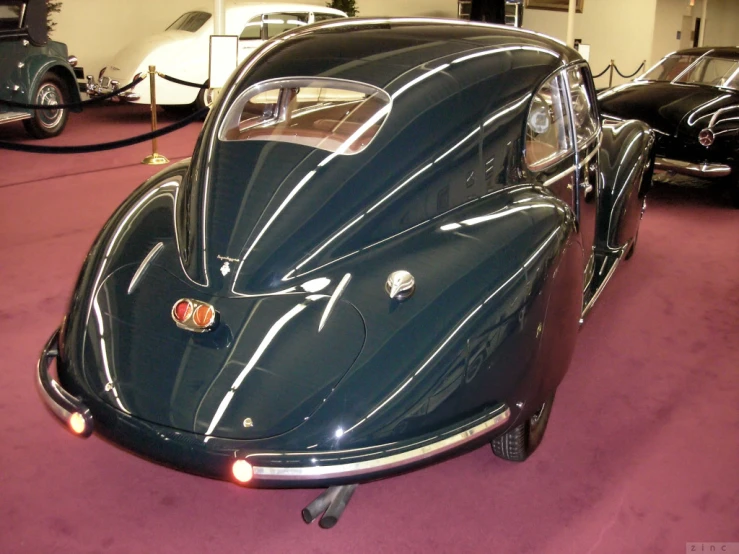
(379, 255)
(691, 100)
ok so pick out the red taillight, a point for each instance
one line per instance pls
(182, 310)
(242, 471)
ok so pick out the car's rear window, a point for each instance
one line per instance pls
(330, 114)
(190, 22)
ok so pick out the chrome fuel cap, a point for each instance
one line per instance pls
(400, 285)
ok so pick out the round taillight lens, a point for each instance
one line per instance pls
(204, 316)
(182, 310)
(242, 471)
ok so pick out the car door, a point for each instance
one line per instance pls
(586, 128)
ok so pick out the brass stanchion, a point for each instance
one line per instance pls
(610, 77)
(154, 158)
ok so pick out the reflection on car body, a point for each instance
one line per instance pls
(396, 291)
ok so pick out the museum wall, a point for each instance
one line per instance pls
(614, 30)
(722, 26)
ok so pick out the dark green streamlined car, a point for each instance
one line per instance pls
(379, 255)
(33, 69)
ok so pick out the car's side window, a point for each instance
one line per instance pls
(280, 22)
(583, 106)
(548, 137)
(252, 30)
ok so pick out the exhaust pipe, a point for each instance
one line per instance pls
(331, 503)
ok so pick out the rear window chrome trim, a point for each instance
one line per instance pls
(305, 81)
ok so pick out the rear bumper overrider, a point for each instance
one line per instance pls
(215, 457)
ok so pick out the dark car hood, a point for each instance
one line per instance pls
(673, 109)
(263, 371)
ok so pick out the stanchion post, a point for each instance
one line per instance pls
(154, 158)
(610, 77)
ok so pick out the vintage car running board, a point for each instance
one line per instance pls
(9, 117)
(605, 267)
(331, 503)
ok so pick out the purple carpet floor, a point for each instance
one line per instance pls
(641, 454)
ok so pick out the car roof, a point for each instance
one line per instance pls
(248, 8)
(377, 51)
(716, 51)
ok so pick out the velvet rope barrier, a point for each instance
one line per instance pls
(602, 72)
(86, 148)
(629, 76)
(180, 81)
(73, 105)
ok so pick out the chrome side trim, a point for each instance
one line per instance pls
(580, 165)
(384, 463)
(602, 286)
(153, 253)
(9, 117)
(704, 170)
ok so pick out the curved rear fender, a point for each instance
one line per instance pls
(626, 162)
(473, 334)
(40, 66)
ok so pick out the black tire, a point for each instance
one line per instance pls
(520, 442)
(48, 123)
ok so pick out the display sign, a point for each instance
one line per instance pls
(558, 5)
(224, 57)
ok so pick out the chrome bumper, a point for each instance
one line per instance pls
(703, 171)
(270, 469)
(107, 86)
(65, 406)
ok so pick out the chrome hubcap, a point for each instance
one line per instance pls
(49, 95)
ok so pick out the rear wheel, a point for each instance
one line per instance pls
(520, 442)
(50, 122)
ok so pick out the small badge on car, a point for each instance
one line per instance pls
(195, 316)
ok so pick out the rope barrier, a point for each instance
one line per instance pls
(602, 72)
(86, 148)
(181, 82)
(629, 76)
(73, 105)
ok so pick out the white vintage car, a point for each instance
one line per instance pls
(182, 50)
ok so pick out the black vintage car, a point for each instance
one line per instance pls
(379, 255)
(691, 100)
(33, 69)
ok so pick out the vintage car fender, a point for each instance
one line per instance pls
(175, 53)
(39, 66)
(626, 164)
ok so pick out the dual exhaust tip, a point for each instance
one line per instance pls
(330, 504)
